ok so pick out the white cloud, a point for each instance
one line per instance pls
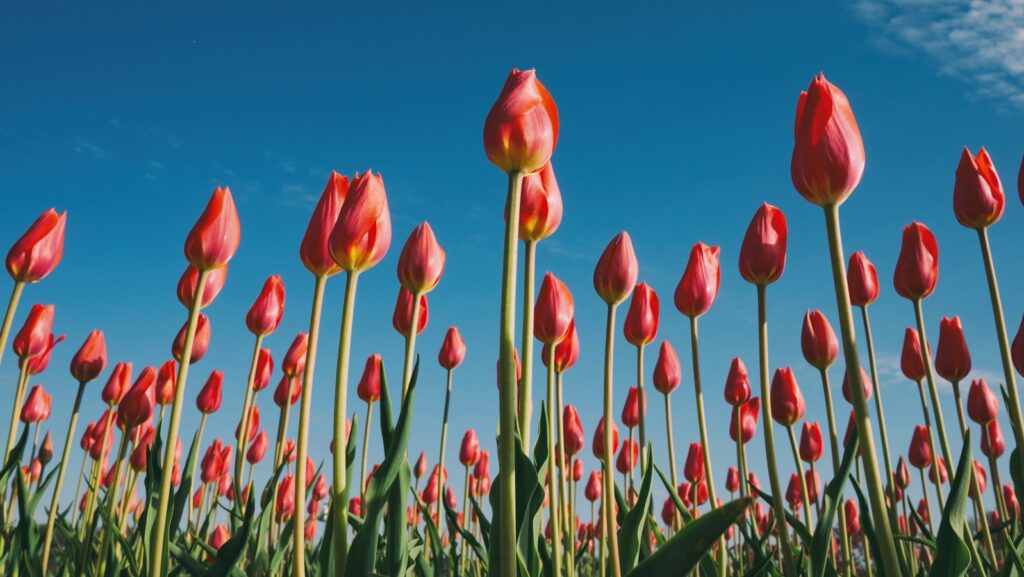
(980, 41)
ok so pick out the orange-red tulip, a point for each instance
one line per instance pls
(469, 452)
(737, 383)
(482, 469)
(264, 369)
(421, 466)
(732, 480)
(992, 442)
(763, 253)
(902, 474)
(200, 343)
(118, 383)
(553, 312)
(320, 488)
(952, 359)
(865, 382)
(295, 359)
(794, 492)
(852, 517)
(369, 384)
(982, 405)
(912, 361)
(214, 238)
(787, 401)
(592, 492)
(288, 390)
(209, 398)
(628, 456)
(315, 248)
(220, 536)
(573, 439)
(401, 319)
(616, 270)
(138, 403)
(521, 129)
(453, 349)
(668, 373)
(862, 280)
(978, 197)
(362, 235)
(37, 406)
(285, 505)
(46, 449)
(258, 448)
(917, 269)
(540, 206)
(636, 403)
(39, 250)
(265, 314)
(165, 382)
(567, 352)
(920, 453)
(40, 362)
(35, 334)
(748, 413)
(818, 341)
(422, 260)
(90, 359)
(694, 468)
(598, 442)
(642, 318)
(938, 468)
(698, 287)
(211, 286)
(254, 423)
(811, 445)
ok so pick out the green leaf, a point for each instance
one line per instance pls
(821, 542)
(471, 540)
(232, 550)
(953, 556)
(396, 536)
(632, 530)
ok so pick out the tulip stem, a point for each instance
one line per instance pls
(927, 501)
(997, 484)
(741, 468)
(526, 352)
(12, 305)
(926, 354)
(554, 468)
(608, 493)
(282, 431)
(164, 500)
(193, 460)
(564, 498)
(96, 476)
(641, 406)
(108, 522)
(671, 453)
(805, 496)
(444, 442)
(882, 431)
(78, 490)
(876, 495)
(243, 432)
(410, 342)
(55, 501)
(507, 407)
(931, 442)
(19, 398)
(366, 447)
(833, 438)
(979, 507)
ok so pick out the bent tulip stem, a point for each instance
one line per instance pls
(444, 441)
(12, 306)
(366, 448)
(19, 398)
(62, 469)
(702, 424)
(671, 453)
(526, 352)
(554, 469)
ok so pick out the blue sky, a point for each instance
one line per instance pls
(676, 122)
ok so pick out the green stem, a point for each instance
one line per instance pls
(608, 493)
(12, 305)
(410, 343)
(803, 480)
(19, 398)
(194, 459)
(526, 348)
(926, 353)
(671, 451)
(444, 442)
(882, 431)
(833, 438)
(554, 468)
(78, 489)
(997, 484)
(282, 431)
(641, 407)
(366, 448)
(931, 442)
(979, 507)
(55, 501)
(927, 501)
(564, 472)
(702, 424)
(109, 523)
(876, 493)
(243, 433)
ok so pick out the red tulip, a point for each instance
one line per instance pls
(200, 342)
(37, 406)
(369, 384)
(363, 234)
(40, 362)
(920, 453)
(748, 413)
(521, 129)
(540, 205)
(285, 505)
(553, 312)
(453, 350)
(685, 492)
(952, 359)
(165, 383)
(813, 481)
(978, 198)
(794, 494)
(811, 445)
(258, 448)
(787, 401)
(902, 474)
(635, 406)
(39, 250)
(982, 477)
(265, 314)
(214, 238)
(288, 390)
(577, 470)
(320, 489)
(421, 466)
(818, 341)
(138, 403)
(422, 261)
(851, 426)
(574, 440)
(34, 336)
(401, 319)
(469, 452)
(912, 361)
(197, 497)
(865, 382)
(982, 405)
(628, 456)
(288, 448)
(211, 286)
(598, 443)
(642, 318)
(314, 250)
(1011, 501)
(694, 468)
(862, 280)
(992, 442)
(264, 369)
(220, 537)
(592, 491)
(118, 383)
(616, 271)
(432, 490)
(90, 359)
(295, 359)
(737, 384)
(482, 467)
(254, 423)
(938, 464)
(917, 269)
(828, 153)
(567, 351)
(355, 506)
(763, 253)
(667, 371)
(46, 449)
(852, 517)
(668, 512)
(698, 287)
(209, 398)
(140, 454)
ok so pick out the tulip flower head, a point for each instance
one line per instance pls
(598, 442)
(401, 319)
(34, 336)
(642, 318)
(978, 197)
(285, 505)
(912, 361)
(553, 312)
(699, 284)
(214, 238)
(422, 261)
(902, 474)
(254, 423)
(737, 383)
(90, 359)
(118, 383)
(521, 129)
(314, 250)
(469, 452)
(616, 271)
(763, 253)
(139, 402)
(592, 491)
(288, 391)
(46, 449)
(634, 407)
(265, 315)
(628, 456)
(264, 370)
(40, 362)
(794, 494)
(362, 235)
(482, 468)
(787, 401)
(668, 372)
(295, 359)
(811, 445)
(421, 466)
(567, 351)
(453, 350)
(748, 414)
(865, 382)
(917, 270)
(39, 250)
(992, 442)
(952, 359)
(165, 383)
(818, 341)
(862, 280)
(200, 343)
(573, 438)
(540, 205)
(920, 453)
(369, 384)
(694, 468)
(37, 406)
(212, 286)
(852, 517)
(209, 398)
(982, 405)
(258, 448)
(732, 480)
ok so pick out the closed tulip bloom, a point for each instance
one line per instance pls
(90, 359)
(265, 315)
(902, 474)
(862, 280)
(214, 238)
(315, 248)
(732, 480)
(295, 359)
(39, 250)
(917, 269)
(748, 413)
(46, 449)
(362, 235)
(573, 439)
(165, 383)
(40, 362)
(737, 383)
(209, 398)
(421, 466)
(912, 361)
(828, 153)
(401, 319)
(952, 359)
(920, 453)
(787, 401)
(37, 406)
(34, 336)
(553, 312)
(813, 481)
(431, 491)
(422, 260)
(598, 443)
(699, 284)
(118, 383)
(794, 494)
(866, 385)
(469, 452)
(220, 536)
(616, 270)
(811, 445)
(521, 129)
(982, 478)
(982, 405)
(642, 318)
(567, 351)
(668, 512)
(369, 384)
(1010, 498)
(852, 517)
(685, 492)
(285, 505)
(320, 488)
(138, 403)
(992, 442)
(635, 405)
(540, 206)
(978, 197)
(763, 253)
(668, 372)
(851, 426)
(482, 468)
(938, 468)
(453, 349)
(258, 448)
(818, 341)
(288, 449)
(254, 424)
(211, 286)
(264, 370)
(628, 456)
(592, 492)
(200, 343)
(694, 468)
(288, 390)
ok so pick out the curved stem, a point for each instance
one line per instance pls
(444, 441)
(194, 458)
(366, 448)
(12, 305)
(702, 423)
(19, 398)
(882, 431)
(55, 501)
(243, 432)
(608, 493)
(526, 346)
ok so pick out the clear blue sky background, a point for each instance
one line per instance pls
(676, 123)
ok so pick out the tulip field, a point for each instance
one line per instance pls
(133, 492)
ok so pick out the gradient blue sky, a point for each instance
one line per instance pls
(676, 122)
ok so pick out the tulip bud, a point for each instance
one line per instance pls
(482, 468)
(421, 466)
(938, 468)
(422, 261)
(320, 489)
(852, 517)
(577, 470)
(992, 442)
(540, 205)
(1011, 501)
(978, 198)
(592, 492)
(635, 406)
(138, 403)
(369, 384)
(295, 360)
(952, 359)
(787, 401)
(453, 350)
(811, 445)
(362, 235)
(912, 361)
(200, 343)
(214, 238)
(698, 287)
(737, 383)
(90, 360)
(285, 505)
(314, 250)
(982, 479)
(598, 443)
(39, 250)
(209, 398)
(288, 391)
(616, 271)
(469, 452)
(265, 315)
(521, 129)
(667, 371)
(46, 449)
(254, 423)
(567, 351)
(165, 380)
(258, 448)
(37, 406)
(553, 311)
(401, 319)
(668, 512)
(763, 253)
(902, 474)
(694, 468)
(573, 438)
(818, 341)
(982, 405)
(34, 336)
(917, 269)
(628, 456)
(748, 414)
(920, 453)
(794, 494)
(264, 369)
(212, 286)
(118, 383)
(862, 280)
(642, 318)
(865, 383)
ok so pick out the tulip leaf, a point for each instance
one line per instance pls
(453, 521)
(953, 555)
(632, 530)
(485, 523)
(181, 496)
(707, 564)
(822, 540)
(396, 536)
(11, 465)
(231, 551)
(529, 499)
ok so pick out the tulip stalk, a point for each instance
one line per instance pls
(366, 448)
(554, 468)
(804, 495)
(19, 398)
(243, 432)
(997, 484)
(78, 489)
(979, 507)
(163, 502)
(671, 452)
(444, 441)
(834, 442)
(702, 423)
(68, 440)
(282, 432)
(526, 354)
(5, 329)
(876, 495)
(642, 406)
(931, 441)
(926, 354)
(565, 497)
(109, 523)
(608, 491)
(195, 458)
(410, 341)
(882, 432)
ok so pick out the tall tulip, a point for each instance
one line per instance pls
(368, 391)
(208, 401)
(419, 269)
(213, 284)
(451, 355)
(667, 376)
(640, 328)
(788, 407)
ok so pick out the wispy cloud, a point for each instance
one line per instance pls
(979, 41)
(92, 148)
